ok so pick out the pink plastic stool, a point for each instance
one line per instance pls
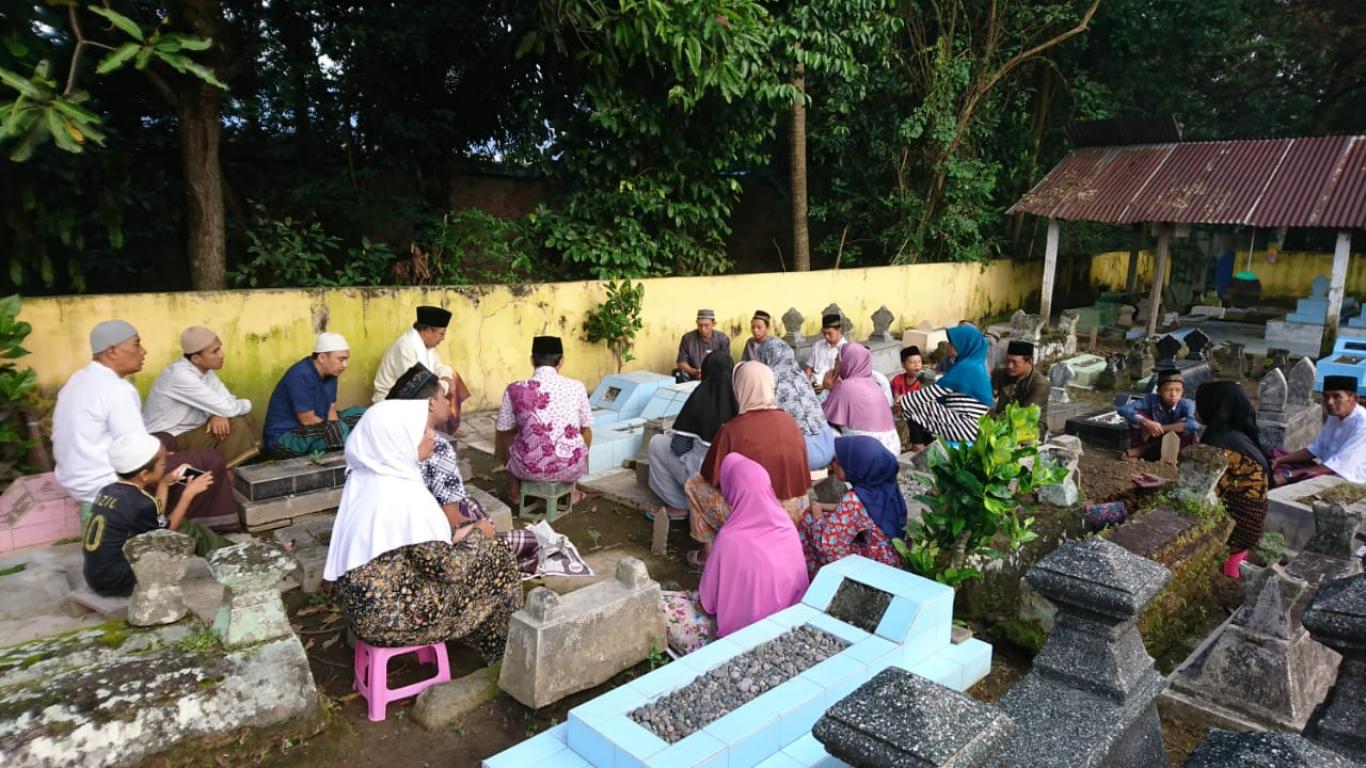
(372, 673)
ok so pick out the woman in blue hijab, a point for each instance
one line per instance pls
(950, 408)
(870, 515)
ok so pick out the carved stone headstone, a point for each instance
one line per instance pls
(1139, 360)
(882, 323)
(159, 559)
(1025, 326)
(1126, 316)
(1114, 368)
(1196, 344)
(1236, 366)
(1334, 527)
(792, 325)
(1277, 357)
(1059, 376)
(1200, 468)
(1145, 308)
(1301, 383)
(845, 323)
(1336, 617)
(251, 611)
(1272, 392)
(1168, 347)
(1318, 287)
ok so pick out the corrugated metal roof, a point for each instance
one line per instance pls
(1305, 182)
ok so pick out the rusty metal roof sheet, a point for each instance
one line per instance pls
(1304, 182)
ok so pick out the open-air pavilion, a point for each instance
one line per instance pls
(1263, 183)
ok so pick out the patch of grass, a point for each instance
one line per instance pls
(13, 569)
(67, 540)
(31, 660)
(1028, 635)
(657, 657)
(114, 634)
(199, 643)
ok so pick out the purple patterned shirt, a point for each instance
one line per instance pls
(549, 412)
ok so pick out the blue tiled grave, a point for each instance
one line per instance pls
(622, 396)
(774, 730)
(614, 444)
(668, 400)
(1348, 359)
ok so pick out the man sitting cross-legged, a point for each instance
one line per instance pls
(1340, 449)
(302, 417)
(190, 403)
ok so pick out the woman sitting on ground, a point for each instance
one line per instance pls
(1231, 425)
(857, 404)
(951, 407)
(755, 568)
(441, 472)
(762, 433)
(402, 576)
(793, 394)
(870, 515)
(678, 455)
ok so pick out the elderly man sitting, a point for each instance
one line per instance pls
(190, 403)
(302, 416)
(545, 423)
(694, 347)
(97, 405)
(1340, 449)
(417, 346)
(1018, 381)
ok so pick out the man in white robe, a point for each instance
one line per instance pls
(417, 346)
(1340, 448)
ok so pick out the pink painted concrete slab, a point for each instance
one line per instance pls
(34, 511)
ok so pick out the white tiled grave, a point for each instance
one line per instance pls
(620, 437)
(773, 729)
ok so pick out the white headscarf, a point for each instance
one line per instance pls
(385, 504)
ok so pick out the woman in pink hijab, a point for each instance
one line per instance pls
(756, 567)
(857, 405)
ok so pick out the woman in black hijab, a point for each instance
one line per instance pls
(1231, 425)
(677, 456)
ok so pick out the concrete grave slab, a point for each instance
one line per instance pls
(1087, 369)
(34, 511)
(1291, 516)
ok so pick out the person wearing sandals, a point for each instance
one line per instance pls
(1231, 426)
(678, 454)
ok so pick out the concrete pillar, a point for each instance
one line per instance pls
(1131, 282)
(1164, 234)
(251, 611)
(1050, 272)
(159, 559)
(1337, 283)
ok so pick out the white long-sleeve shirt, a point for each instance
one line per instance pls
(93, 407)
(183, 399)
(1341, 446)
(407, 350)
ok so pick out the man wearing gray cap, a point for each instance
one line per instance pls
(97, 404)
(189, 402)
(694, 347)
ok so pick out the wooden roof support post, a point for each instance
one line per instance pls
(1131, 282)
(1164, 234)
(1050, 272)
(1341, 253)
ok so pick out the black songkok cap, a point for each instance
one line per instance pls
(1020, 348)
(759, 314)
(413, 384)
(832, 321)
(436, 317)
(1167, 375)
(1340, 384)
(908, 351)
(547, 345)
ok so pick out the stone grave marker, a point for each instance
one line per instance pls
(1237, 360)
(1126, 316)
(1059, 376)
(251, 611)
(1277, 357)
(1301, 383)
(1139, 360)
(1196, 345)
(882, 323)
(1199, 472)
(159, 559)
(1225, 749)
(1114, 369)
(1026, 327)
(1287, 417)
(792, 325)
(1168, 347)
(1336, 617)
(1087, 367)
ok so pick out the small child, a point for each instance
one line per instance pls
(912, 363)
(1157, 414)
(133, 505)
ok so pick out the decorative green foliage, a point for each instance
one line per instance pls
(973, 509)
(16, 386)
(1271, 548)
(617, 319)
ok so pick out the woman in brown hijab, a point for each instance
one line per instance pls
(761, 432)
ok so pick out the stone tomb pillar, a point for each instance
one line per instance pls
(1199, 472)
(1089, 699)
(159, 559)
(1337, 618)
(251, 611)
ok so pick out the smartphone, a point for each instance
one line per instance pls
(189, 474)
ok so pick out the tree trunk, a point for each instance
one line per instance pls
(801, 235)
(200, 131)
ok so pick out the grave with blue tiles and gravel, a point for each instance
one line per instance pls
(622, 406)
(856, 619)
(1348, 359)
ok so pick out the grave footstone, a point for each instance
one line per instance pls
(882, 323)
(1285, 419)
(1109, 378)
(1196, 345)
(1170, 448)
(1126, 316)
(1139, 360)
(251, 611)
(1227, 749)
(792, 325)
(1168, 347)
(1059, 376)
(1237, 360)
(1026, 327)
(1201, 467)
(159, 559)
(1301, 383)
(1336, 617)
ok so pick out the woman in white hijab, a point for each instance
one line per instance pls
(400, 580)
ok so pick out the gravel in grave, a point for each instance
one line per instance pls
(743, 678)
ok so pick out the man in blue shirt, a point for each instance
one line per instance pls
(302, 417)
(1157, 414)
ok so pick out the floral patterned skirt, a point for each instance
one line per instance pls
(708, 510)
(688, 626)
(433, 592)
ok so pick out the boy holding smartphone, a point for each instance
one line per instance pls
(135, 504)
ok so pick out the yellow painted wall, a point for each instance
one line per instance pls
(264, 331)
(1287, 278)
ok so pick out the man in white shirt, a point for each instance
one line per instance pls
(1340, 447)
(190, 403)
(416, 346)
(96, 405)
(824, 354)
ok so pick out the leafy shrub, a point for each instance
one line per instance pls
(285, 253)
(17, 386)
(464, 247)
(617, 319)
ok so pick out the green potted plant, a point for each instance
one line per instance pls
(974, 501)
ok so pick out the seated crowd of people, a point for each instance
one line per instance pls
(414, 557)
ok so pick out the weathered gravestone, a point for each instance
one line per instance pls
(846, 324)
(1168, 347)
(559, 645)
(1287, 416)
(1336, 617)
(1139, 360)
(792, 325)
(1059, 376)
(251, 611)
(1196, 345)
(1223, 749)
(159, 559)
(1199, 472)
(882, 323)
